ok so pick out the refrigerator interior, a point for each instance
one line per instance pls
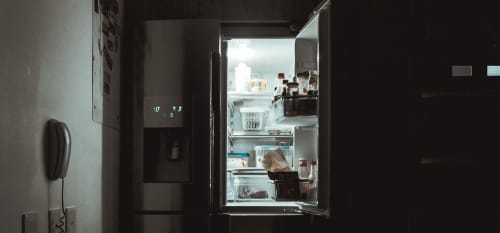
(255, 119)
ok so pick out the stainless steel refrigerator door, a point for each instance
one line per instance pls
(314, 54)
(173, 80)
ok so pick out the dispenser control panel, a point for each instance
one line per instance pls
(163, 111)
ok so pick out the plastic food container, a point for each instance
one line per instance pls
(252, 118)
(258, 85)
(250, 184)
(237, 160)
(260, 151)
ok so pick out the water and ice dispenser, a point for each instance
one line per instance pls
(166, 139)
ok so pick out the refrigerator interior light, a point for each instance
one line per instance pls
(242, 53)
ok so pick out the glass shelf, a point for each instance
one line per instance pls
(258, 134)
(249, 95)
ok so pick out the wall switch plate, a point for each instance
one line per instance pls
(70, 219)
(54, 217)
(30, 222)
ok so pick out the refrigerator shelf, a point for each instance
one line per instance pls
(258, 134)
(300, 111)
(249, 95)
(263, 203)
(298, 120)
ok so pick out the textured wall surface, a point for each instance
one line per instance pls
(45, 72)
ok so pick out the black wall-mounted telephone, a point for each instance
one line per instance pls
(59, 149)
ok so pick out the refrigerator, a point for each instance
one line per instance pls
(186, 128)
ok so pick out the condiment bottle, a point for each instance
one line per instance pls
(293, 87)
(313, 82)
(302, 169)
(285, 88)
(303, 81)
(313, 182)
(278, 89)
(313, 174)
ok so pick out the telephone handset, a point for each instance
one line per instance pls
(59, 149)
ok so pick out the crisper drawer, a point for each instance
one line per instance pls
(250, 184)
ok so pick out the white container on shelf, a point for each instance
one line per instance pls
(237, 160)
(242, 76)
(252, 118)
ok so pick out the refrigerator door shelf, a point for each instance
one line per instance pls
(278, 114)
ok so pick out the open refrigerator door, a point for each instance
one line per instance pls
(277, 126)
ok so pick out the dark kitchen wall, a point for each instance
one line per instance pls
(454, 120)
(226, 10)
(46, 72)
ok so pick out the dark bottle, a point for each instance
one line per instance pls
(278, 89)
(293, 87)
(285, 88)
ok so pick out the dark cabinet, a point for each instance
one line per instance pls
(458, 198)
(453, 120)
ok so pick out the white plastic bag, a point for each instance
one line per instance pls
(275, 161)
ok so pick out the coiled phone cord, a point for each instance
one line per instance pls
(62, 220)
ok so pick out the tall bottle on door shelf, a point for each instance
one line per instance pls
(303, 183)
(278, 89)
(302, 169)
(285, 88)
(312, 194)
(293, 88)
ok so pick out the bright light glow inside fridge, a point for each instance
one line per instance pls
(259, 135)
(242, 52)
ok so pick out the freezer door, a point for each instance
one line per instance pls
(313, 53)
(173, 75)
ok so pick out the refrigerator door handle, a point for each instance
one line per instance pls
(215, 106)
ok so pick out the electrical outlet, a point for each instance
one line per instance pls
(54, 217)
(70, 219)
(30, 222)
